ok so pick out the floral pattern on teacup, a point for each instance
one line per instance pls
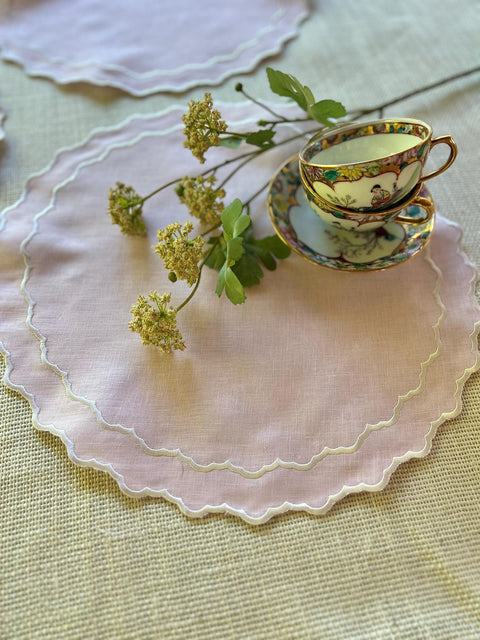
(348, 250)
(325, 180)
(359, 247)
(350, 220)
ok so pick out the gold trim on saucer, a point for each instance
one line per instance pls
(353, 267)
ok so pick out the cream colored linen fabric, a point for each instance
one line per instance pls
(81, 560)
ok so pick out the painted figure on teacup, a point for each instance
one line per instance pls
(380, 196)
(367, 166)
(373, 219)
(358, 186)
(347, 221)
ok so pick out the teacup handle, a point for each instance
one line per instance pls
(426, 204)
(453, 154)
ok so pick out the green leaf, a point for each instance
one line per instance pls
(323, 110)
(261, 138)
(235, 249)
(233, 287)
(232, 142)
(266, 249)
(238, 260)
(221, 280)
(275, 245)
(287, 85)
(230, 215)
(241, 224)
(216, 259)
(248, 271)
(266, 257)
(308, 95)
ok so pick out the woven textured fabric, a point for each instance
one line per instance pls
(97, 564)
(81, 560)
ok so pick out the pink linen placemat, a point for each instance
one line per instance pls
(143, 47)
(319, 385)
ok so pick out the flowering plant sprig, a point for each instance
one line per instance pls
(229, 245)
(203, 126)
(125, 208)
(180, 253)
(201, 198)
(157, 324)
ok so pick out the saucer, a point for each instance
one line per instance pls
(311, 237)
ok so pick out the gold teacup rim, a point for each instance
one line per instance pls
(347, 125)
(401, 204)
(310, 259)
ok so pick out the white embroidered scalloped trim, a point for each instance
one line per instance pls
(245, 58)
(177, 452)
(269, 512)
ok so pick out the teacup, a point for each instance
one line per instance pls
(368, 166)
(405, 211)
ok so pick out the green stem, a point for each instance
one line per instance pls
(272, 123)
(164, 186)
(234, 134)
(263, 106)
(187, 300)
(229, 161)
(215, 226)
(257, 193)
(238, 167)
(202, 264)
(361, 112)
(204, 173)
(416, 92)
(379, 108)
(247, 157)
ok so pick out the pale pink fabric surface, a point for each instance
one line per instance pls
(142, 46)
(321, 384)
